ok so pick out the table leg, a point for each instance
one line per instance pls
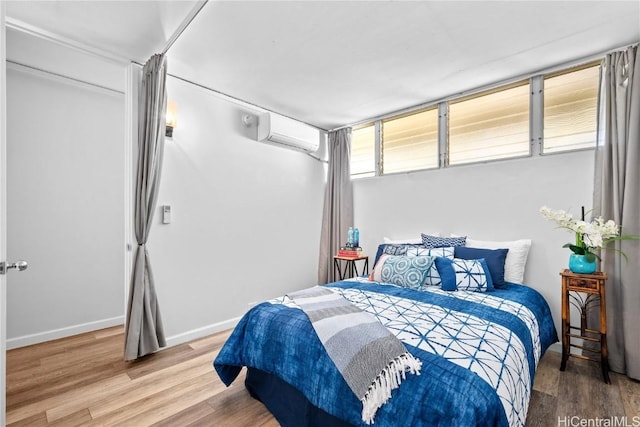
(565, 329)
(336, 267)
(604, 361)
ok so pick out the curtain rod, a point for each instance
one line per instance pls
(183, 26)
(241, 101)
(489, 86)
(233, 98)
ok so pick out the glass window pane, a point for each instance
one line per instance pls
(570, 110)
(363, 152)
(491, 126)
(410, 142)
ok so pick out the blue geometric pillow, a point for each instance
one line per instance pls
(433, 278)
(464, 275)
(495, 259)
(439, 242)
(447, 252)
(393, 249)
(408, 272)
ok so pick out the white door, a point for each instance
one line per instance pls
(3, 216)
(103, 274)
(4, 265)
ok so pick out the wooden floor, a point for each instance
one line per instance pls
(82, 380)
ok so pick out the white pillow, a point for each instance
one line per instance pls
(413, 240)
(516, 259)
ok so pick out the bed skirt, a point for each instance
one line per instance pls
(286, 403)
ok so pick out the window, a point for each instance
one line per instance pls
(490, 125)
(570, 110)
(493, 125)
(410, 142)
(363, 151)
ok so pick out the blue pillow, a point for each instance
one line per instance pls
(441, 242)
(495, 259)
(464, 274)
(393, 249)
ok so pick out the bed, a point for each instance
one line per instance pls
(479, 352)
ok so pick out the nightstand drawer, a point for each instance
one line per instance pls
(581, 283)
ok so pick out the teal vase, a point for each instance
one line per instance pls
(579, 264)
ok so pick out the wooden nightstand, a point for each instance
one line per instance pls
(350, 267)
(584, 291)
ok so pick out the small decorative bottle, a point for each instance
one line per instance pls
(350, 237)
(356, 237)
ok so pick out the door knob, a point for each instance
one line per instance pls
(19, 265)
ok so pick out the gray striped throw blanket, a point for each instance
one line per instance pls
(370, 358)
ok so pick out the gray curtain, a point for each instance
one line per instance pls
(337, 216)
(617, 196)
(144, 332)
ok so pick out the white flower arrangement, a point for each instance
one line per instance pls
(590, 236)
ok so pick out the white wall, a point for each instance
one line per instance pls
(246, 217)
(491, 201)
(65, 194)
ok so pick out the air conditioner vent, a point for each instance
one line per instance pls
(282, 130)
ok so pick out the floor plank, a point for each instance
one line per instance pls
(83, 380)
(189, 416)
(542, 410)
(630, 392)
(548, 374)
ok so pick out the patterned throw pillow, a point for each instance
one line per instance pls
(433, 278)
(464, 274)
(408, 272)
(439, 242)
(446, 252)
(395, 249)
(495, 259)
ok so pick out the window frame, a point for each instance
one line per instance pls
(380, 141)
(535, 117)
(569, 70)
(376, 166)
(479, 94)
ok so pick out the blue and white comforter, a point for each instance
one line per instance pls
(479, 353)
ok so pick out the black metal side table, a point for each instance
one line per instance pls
(346, 267)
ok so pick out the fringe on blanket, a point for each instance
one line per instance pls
(389, 379)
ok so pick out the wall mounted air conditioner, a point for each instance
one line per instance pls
(281, 130)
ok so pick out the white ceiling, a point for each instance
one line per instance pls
(133, 29)
(331, 63)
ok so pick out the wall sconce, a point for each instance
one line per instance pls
(170, 119)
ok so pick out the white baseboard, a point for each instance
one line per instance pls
(114, 321)
(106, 323)
(202, 332)
(54, 334)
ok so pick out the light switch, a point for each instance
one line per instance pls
(166, 214)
